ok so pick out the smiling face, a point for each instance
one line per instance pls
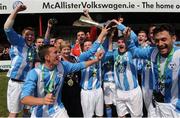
(58, 42)
(52, 57)
(39, 42)
(142, 37)
(65, 52)
(150, 34)
(87, 45)
(81, 37)
(164, 42)
(121, 45)
(52, 41)
(29, 36)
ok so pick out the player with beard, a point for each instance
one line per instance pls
(165, 59)
(22, 55)
(77, 49)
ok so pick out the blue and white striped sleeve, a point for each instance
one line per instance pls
(86, 55)
(30, 84)
(178, 101)
(72, 67)
(133, 36)
(13, 37)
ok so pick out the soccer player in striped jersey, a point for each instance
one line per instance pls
(22, 54)
(145, 71)
(91, 82)
(165, 59)
(108, 80)
(128, 91)
(42, 88)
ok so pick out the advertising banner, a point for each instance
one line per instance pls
(5, 65)
(70, 6)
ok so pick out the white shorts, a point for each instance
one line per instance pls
(13, 96)
(60, 113)
(166, 110)
(147, 96)
(109, 92)
(129, 102)
(92, 101)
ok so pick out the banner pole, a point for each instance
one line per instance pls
(40, 25)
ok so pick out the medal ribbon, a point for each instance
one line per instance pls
(50, 88)
(119, 60)
(160, 74)
(30, 54)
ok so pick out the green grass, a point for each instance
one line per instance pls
(3, 90)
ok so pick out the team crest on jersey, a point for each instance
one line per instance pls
(173, 66)
(148, 64)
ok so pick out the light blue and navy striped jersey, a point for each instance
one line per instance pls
(171, 90)
(108, 70)
(147, 75)
(91, 77)
(107, 64)
(22, 55)
(38, 80)
(87, 54)
(145, 70)
(125, 71)
(91, 71)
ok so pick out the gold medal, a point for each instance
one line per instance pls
(94, 74)
(70, 82)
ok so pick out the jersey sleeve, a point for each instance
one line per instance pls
(29, 84)
(86, 55)
(72, 67)
(14, 38)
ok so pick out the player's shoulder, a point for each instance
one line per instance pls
(176, 52)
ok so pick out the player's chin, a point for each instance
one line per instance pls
(163, 51)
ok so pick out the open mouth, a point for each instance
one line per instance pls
(140, 40)
(57, 58)
(161, 48)
(121, 47)
(29, 39)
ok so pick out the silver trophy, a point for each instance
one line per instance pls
(86, 22)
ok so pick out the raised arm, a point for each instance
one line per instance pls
(12, 36)
(137, 52)
(48, 32)
(10, 20)
(86, 55)
(86, 13)
(74, 67)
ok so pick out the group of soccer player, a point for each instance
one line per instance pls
(43, 72)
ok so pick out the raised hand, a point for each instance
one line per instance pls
(50, 24)
(115, 21)
(127, 33)
(99, 54)
(112, 34)
(105, 31)
(86, 13)
(20, 7)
